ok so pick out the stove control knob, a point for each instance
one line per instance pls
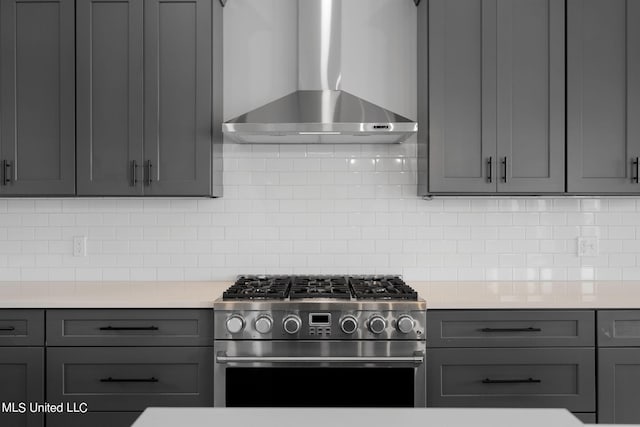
(235, 324)
(292, 324)
(377, 324)
(349, 324)
(264, 324)
(405, 324)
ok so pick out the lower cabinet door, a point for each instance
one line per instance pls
(93, 419)
(21, 383)
(619, 385)
(512, 377)
(130, 378)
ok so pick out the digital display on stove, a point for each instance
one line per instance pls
(320, 319)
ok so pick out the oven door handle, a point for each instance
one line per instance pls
(417, 358)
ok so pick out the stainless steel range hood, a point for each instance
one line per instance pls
(320, 112)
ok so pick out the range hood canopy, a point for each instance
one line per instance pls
(320, 112)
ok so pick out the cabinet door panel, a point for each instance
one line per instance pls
(109, 98)
(21, 380)
(178, 97)
(37, 96)
(512, 378)
(618, 385)
(462, 136)
(603, 95)
(530, 76)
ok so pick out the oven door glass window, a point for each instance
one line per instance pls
(320, 387)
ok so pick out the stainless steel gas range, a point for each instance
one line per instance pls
(320, 341)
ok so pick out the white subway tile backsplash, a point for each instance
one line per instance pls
(320, 209)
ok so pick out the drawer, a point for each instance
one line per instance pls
(130, 379)
(130, 327)
(512, 378)
(510, 328)
(93, 419)
(619, 328)
(21, 327)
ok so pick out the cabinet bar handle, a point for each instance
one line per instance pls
(134, 173)
(490, 169)
(6, 172)
(516, 381)
(530, 329)
(129, 380)
(504, 169)
(148, 167)
(129, 328)
(635, 178)
(8, 328)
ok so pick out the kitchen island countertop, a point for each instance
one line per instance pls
(439, 295)
(355, 417)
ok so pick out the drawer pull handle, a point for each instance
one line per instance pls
(8, 328)
(525, 380)
(511, 330)
(129, 328)
(129, 380)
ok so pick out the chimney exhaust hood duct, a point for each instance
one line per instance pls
(319, 111)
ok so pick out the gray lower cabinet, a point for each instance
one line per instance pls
(603, 96)
(129, 378)
(147, 97)
(511, 328)
(37, 89)
(129, 327)
(21, 382)
(618, 385)
(93, 419)
(618, 366)
(496, 96)
(121, 361)
(512, 377)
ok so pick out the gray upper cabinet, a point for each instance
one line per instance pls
(37, 109)
(109, 97)
(146, 97)
(462, 95)
(531, 101)
(177, 100)
(603, 96)
(496, 96)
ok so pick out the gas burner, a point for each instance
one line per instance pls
(258, 287)
(335, 287)
(381, 287)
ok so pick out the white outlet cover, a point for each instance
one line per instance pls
(80, 246)
(587, 246)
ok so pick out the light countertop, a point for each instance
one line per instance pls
(439, 295)
(355, 417)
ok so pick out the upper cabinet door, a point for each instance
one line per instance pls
(462, 98)
(531, 102)
(37, 107)
(603, 95)
(109, 97)
(177, 101)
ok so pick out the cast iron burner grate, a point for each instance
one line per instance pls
(381, 287)
(259, 287)
(334, 287)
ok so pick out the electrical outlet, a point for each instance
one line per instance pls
(80, 246)
(587, 246)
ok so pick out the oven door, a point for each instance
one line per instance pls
(320, 374)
